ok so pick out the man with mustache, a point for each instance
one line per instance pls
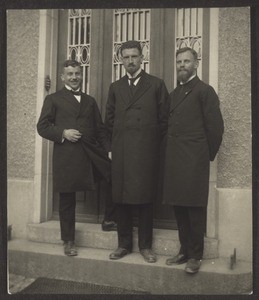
(71, 119)
(136, 118)
(194, 135)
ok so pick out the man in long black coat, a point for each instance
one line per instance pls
(71, 119)
(136, 117)
(195, 129)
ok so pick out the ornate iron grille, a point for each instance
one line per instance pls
(130, 24)
(188, 28)
(79, 39)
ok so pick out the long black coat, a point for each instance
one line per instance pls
(136, 125)
(75, 165)
(195, 129)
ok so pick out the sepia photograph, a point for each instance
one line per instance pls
(129, 150)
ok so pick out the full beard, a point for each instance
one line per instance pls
(183, 75)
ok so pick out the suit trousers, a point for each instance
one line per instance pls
(67, 205)
(124, 214)
(191, 223)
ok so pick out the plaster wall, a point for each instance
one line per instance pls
(22, 82)
(235, 223)
(234, 176)
(20, 206)
(22, 70)
(234, 89)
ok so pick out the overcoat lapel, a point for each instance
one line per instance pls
(181, 92)
(125, 91)
(71, 100)
(85, 105)
(142, 86)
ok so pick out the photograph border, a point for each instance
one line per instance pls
(28, 4)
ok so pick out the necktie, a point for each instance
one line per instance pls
(76, 93)
(132, 80)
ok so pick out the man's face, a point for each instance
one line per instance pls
(186, 66)
(72, 76)
(131, 59)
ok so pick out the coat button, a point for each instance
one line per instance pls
(170, 114)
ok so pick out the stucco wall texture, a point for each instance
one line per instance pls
(235, 158)
(22, 62)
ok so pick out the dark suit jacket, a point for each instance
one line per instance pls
(136, 125)
(75, 164)
(195, 129)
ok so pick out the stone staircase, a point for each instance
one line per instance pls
(41, 255)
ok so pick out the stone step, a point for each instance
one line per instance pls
(31, 259)
(165, 241)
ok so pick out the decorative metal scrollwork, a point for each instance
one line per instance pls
(145, 50)
(85, 12)
(116, 53)
(188, 31)
(73, 53)
(194, 42)
(74, 12)
(84, 56)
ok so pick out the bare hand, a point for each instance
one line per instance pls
(110, 155)
(72, 135)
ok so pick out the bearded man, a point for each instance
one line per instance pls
(195, 129)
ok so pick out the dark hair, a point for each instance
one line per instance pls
(181, 50)
(72, 63)
(130, 45)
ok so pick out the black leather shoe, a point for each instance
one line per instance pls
(70, 248)
(192, 266)
(109, 226)
(148, 255)
(119, 253)
(178, 259)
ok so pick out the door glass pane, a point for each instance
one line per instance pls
(79, 39)
(129, 24)
(188, 31)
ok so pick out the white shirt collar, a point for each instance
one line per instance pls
(188, 79)
(135, 75)
(78, 97)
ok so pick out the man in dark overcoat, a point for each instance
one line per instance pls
(136, 117)
(71, 119)
(194, 135)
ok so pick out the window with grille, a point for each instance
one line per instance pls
(188, 28)
(79, 39)
(130, 24)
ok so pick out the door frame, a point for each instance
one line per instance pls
(47, 62)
